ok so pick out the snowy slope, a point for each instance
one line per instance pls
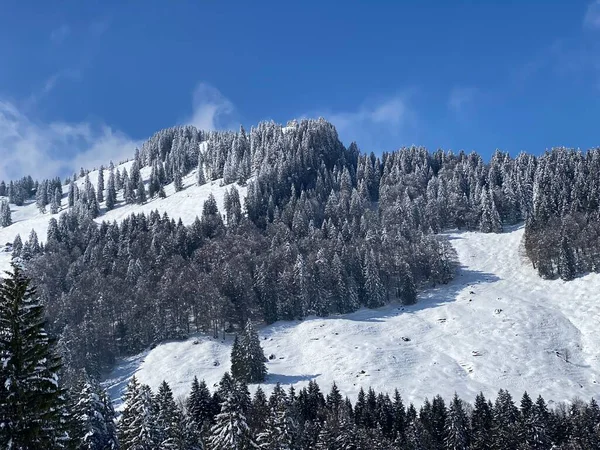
(185, 204)
(498, 325)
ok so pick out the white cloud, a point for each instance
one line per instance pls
(210, 109)
(592, 15)
(42, 150)
(376, 125)
(58, 35)
(58, 148)
(460, 98)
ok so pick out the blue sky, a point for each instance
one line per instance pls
(84, 82)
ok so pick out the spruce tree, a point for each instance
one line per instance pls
(100, 187)
(137, 426)
(177, 181)
(140, 193)
(231, 431)
(111, 192)
(566, 259)
(169, 420)
(457, 427)
(255, 368)
(200, 177)
(239, 370)
(5, 215)
(481, 424)
(96, 417)
(31, 401)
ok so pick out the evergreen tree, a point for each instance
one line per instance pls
(141, 193)
(231, 431)
(31, 402)
(374, 290)
(100, 187)
(161, 192)
(169, 420)
(457, 428)
(56, 200)
(481, 424)
(137, 426)
(490, 219)
(239, 370)
(254, 357)
(71, 195)
(96, 418)
(200, 177)
(177, 181)
(566, 259)
(111, 192)
(5, 215)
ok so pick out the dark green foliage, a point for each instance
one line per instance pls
(31, 401)
(247, 357)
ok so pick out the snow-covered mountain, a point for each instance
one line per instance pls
(497, 325)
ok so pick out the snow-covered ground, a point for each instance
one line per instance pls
(185, 204)
(498, 325)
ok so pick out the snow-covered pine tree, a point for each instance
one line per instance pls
(279, 429)
(457, 426)
(567, 267)
(254, 357)
(200, 176)
(111, 192)
(96, 417)
(5, 214)
(490, 219)
(56, 201)
(31, 401)
(140, 197)
(169, 420)
(137, 425)
(481, 424)
(100, 187)
(231, 431)
(129, 189)
(239, 369)
(374, 289)
(177, 181)
(199, 407)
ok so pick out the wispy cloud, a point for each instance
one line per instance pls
(210, 109)
(58, 148)
(460, 98)
(375, 125)
(30, 147)
(58, 35)
(591, 19)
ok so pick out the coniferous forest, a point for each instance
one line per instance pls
(324, 229)
(36, 413)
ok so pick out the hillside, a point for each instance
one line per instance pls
(498, 325)
(185, 204)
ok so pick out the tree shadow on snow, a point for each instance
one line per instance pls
(274, 378)
(464, 287)
(119, 378)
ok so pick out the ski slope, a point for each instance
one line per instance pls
(185, 205)
(497, 325)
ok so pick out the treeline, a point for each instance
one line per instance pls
(230, 418)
